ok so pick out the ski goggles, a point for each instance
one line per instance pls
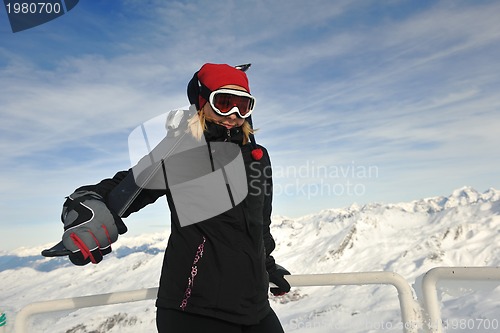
(228, 101)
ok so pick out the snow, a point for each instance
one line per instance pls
(409, 238)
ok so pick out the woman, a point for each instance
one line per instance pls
(216, 272)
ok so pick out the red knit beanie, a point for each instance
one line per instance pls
(214, 76)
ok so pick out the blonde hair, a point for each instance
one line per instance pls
(197, 124)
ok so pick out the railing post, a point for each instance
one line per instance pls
(429, 288)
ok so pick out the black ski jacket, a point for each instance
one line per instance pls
(218, 267)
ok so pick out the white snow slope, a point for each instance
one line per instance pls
(406, 238)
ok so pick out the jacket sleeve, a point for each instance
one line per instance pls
(268, 198)
(106, 186)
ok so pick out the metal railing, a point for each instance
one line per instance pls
(410, 312)
(414, 318)
(433, 321)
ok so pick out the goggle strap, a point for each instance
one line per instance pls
(205, 92)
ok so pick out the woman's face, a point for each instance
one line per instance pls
(227, 121)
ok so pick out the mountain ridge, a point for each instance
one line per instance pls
(407, 238)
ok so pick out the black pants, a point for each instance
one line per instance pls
(174, 321)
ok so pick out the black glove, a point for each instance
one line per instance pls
(89, 227)
(276, 276)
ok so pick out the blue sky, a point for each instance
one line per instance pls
(357, 101)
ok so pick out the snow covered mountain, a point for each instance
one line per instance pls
(462, 229)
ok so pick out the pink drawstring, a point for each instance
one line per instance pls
(194, 272)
